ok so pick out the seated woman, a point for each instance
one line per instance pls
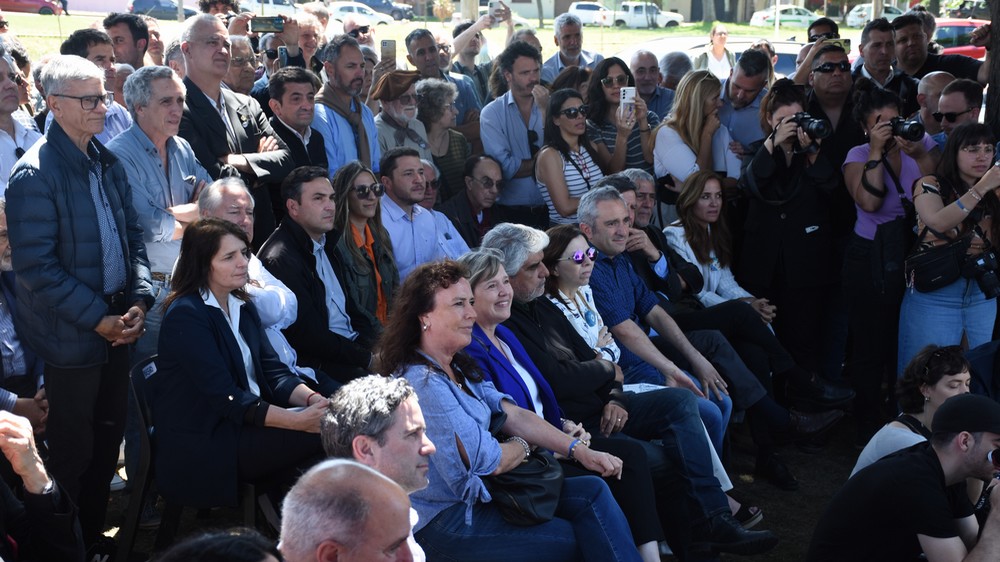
(226, 409)
(565, 167)
(933, 376)
(433, 318)
(364, 247)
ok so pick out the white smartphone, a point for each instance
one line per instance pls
(628, 102)
(388, 49)
(496, 10)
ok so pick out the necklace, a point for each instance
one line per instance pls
(589, 316)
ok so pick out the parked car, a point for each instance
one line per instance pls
(955, 36)
(397, 10)
(592, 13)
(789, 15)
(269, 7)
(977, 9)
(862, 14)
(644, 14)
(694, 45)
(44, 7)
(339, 10)
(159, 9)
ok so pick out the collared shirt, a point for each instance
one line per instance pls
(552, 67)
(154, 189)
(11, 350)
(113, 257)
(743, 124)
(220, 106)
(116, 121)
(661, 102)
(304, 139)
(505, 137)
(864, 72)
(339, 136)
(24, 138)
(25, 119)
(620, 295)
(235, 306)
(415, 240)
(336, 299)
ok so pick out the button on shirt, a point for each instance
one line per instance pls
(14, 363)
(154, 189)
(23, 138)
(415, 240)
(233, 319)
(113, 257)
(505, 137)
(336, 300)
(661, 102)
(338, 135)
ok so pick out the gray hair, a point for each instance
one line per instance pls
(331, 53)
(432, 166)
(520, 33)
(563, 20)
(365, 406)
(332, 501)
(516, 241)
(483, 264)
(638, 174)
(640, 53)
(124, 67)
(195, 21)
(172, 52)
(211, 196)
(65, 69)
(433, 97)
(369, 55)
(586, 212)
(675, 65)
(242, 40)
(138, 88)
(317, 9)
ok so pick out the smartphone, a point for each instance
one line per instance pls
(282, 56)
(388, 49)
(261, 24)
(496, 10)
(842, 43)
(628, 102)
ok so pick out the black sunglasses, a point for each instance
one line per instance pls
(375, 189)
(433, 184)
(951, 116)
(620, 80)
(358, 31)
(578, 255)
(828, 67)
(817, 37)
(271, 53)
(574, 112)
(3, 24)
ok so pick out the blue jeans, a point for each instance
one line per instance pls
(588, 525)
(715, 413)
(942, 316)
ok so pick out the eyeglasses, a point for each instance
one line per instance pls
(620, 80)
(578, 255)
(980, 149)
(271, 53)
(89, 103)
(950, 116)
(444, 47)
(363, 30)
(828, 67)
(240, 61)
(817, 37)
(433, 184)
(375, 189)
(488, 182)
(726, 33)
(3, 24)
(408, 99)
(574, 112)
(15, 78)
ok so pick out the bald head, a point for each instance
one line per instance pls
(646, 70)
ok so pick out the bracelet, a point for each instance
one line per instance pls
(961, 206)
(572, 447)
(308, 398)
(975, 194)
(523, 443)
(646, 130)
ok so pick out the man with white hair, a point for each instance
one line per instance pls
(342, 510)
(569, 38)
(242, 65)
(397, 123)
(673, 67)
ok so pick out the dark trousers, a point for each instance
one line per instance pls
(800, 321)
(84, 430)
(276, 457)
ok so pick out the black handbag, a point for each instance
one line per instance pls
(937, 267)
(529, 493)
(893, 241)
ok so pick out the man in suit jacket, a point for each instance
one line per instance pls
(228, 131)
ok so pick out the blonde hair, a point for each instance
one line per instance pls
(688, 114)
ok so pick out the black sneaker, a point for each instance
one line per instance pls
(725, 534)
(103, 550)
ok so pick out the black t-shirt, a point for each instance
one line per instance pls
(879, 512)
(960, 66)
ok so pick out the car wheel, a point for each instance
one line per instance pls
(46, 11)
(620, 23)
(381, 23)
(672, 24)
(397, 15)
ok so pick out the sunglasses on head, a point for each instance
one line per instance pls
(951, 116)
(363, 30)
(828, 67)
(375, 189)
(578, 255)
(620, 80)
(574, 112)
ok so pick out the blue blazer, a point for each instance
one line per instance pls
(498, 369)
(200, 399)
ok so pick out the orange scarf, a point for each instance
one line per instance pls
(368, 243)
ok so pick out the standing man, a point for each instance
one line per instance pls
(96, 47)
(646, 71)
(913, 59)
(960, 102)
(742, 93)
(878, 49)
(129, 38)
(15, 138)
(346, 123)
(83, 282)
(154, 49)
(242, 65)
(228, 131)
(468, 42)
(928, 94)
(512, 132)
(569, 38)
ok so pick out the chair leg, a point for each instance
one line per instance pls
(169, 523)
(126, 540)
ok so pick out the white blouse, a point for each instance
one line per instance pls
(233, 319)
(720, 284)
(583, 315)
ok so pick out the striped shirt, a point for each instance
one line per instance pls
(607, 133)
(581, 173)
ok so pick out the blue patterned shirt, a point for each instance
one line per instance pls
(620, 295)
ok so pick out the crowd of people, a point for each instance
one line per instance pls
(434, 274)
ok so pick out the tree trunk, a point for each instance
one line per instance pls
(538, 3)
(992, 94)
(708, 11)
(934, 7)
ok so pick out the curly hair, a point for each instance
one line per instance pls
(927, 367)
(433, 98)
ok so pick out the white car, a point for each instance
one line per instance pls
(790, 16)
(695, 45)
(644, 14)
(592, 13)
(339, 10)
(862, 14)
(269, 7)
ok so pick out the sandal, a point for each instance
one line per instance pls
(749, 516)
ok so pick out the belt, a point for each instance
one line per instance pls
(161, 277)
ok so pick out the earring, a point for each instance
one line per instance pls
(424, 327)
(927, 399)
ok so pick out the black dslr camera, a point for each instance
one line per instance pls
(983, 268)
(909, 130)
(815, 128)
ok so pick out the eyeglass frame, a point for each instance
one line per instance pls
(377, 189)
(620, 80)
(579, 110)
(830, 67)
(951, 116)
(108, 98)
(577, 257)
(363, 29)
(482, 181)
(978, 149)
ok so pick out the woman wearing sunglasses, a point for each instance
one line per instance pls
(565, 167)
(622, 138)
(364, 247)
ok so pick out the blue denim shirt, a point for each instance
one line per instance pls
(467, 97)
(620, 295)
(154, 189)
(339, 137)
(505, 137)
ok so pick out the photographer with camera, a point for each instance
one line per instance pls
(952, 273)
(879, 176)
(787, 234)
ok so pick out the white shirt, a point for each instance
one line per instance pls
(338, 320)
(529, 382)
(23, 138)
(233, 319)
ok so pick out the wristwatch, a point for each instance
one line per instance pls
(872, 164)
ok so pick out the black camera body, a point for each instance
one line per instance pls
(909, 130)
(983, 268)
(815, 128)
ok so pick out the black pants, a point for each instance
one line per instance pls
(276, 457)
(84, 430)
(800, 322)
